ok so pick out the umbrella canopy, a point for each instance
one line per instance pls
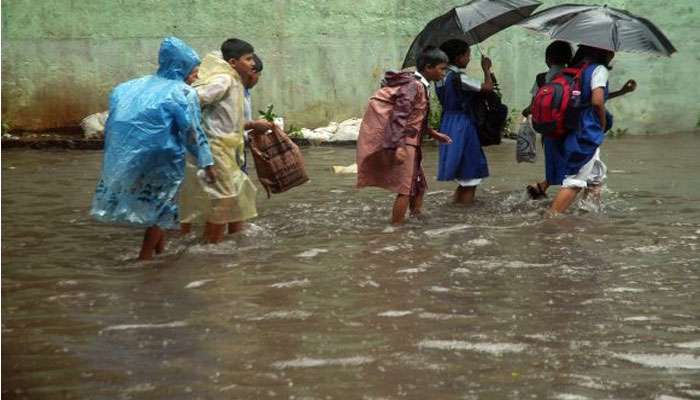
(472, 22)
(601, 26)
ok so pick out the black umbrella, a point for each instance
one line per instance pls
(601, 26)
(472, 22)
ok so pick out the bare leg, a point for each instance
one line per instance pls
(160, 246)
(235, 227)
(151, 238)
(398, 214)
(415, 204)
(185, 228)
(564, 199)
(214, 233)
(464, 195)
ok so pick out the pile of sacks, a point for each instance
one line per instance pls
(94, 125)
(346, 131)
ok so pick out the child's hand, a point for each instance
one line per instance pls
(441, 138)
(210, 174)
(630, 86)
(486, 63)
(262, 125)
(400, 155)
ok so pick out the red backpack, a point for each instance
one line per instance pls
(553, 100)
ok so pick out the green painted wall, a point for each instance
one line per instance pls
(60, 58)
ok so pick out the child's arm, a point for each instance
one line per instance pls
(486, 65)
(439, 137)
(598, 103)
(258, 125)
(213, 90)
(628, 87)
(187, 119)
(539, 82)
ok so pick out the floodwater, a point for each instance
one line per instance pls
(320, 299)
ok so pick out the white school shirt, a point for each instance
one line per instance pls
(600, 77)
(468, 84)
(422, 79)
(247, 105)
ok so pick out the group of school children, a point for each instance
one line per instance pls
(389, 145)
(202, 107)
(190, 105)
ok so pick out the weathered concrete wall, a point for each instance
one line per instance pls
(60, 58)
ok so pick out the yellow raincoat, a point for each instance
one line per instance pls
(232, 197)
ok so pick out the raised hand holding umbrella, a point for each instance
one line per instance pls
(472, 22)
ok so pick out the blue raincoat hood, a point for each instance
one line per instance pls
(176, 59)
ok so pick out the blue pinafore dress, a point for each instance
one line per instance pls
(463, 159)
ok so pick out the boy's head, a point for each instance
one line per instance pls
(250, 80)
(457, 51)
(593, 55)
(559, 53)
(239, 54)
(432, 63)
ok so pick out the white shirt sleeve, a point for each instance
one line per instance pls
(470, 84)
(599, 77)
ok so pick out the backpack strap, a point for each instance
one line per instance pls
(577, 72)
(579, 80)
(456, 79)
(541, 79)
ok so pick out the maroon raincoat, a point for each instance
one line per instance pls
(396, 117)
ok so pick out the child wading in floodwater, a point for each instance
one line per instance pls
(230, 201)
(574, 160)
(558, 56)
(464, 160)
(389, 144)
(152, 120)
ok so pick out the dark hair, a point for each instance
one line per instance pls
(454, 48)
(258, 63)
(430, 57)
(592, 55)
(235, 48)
(559, 52)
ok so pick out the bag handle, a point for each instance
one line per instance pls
(266, 183)
(257, 154)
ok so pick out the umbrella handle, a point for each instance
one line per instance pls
(481, 52)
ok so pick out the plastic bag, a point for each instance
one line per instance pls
(526, 149)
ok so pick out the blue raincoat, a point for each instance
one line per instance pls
(566, 156)
(152, 120)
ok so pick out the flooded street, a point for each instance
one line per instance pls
(321, 299)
